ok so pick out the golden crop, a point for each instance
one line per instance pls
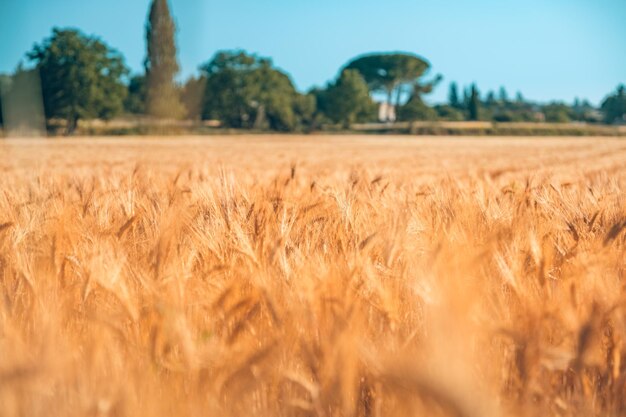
(313, 276)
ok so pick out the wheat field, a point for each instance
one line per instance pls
(313, 276)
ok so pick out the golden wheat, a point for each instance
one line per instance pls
(313, 276)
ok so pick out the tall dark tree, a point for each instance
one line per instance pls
(503, 96)
(453, 95)
(466, 96)
(397, 75)
(162, 94)
(614, 106)
(81, 77)
(473, 107)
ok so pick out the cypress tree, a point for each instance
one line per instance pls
(473, 107)
(162, 95)
(453, 95)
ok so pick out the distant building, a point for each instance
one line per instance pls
(386, 112)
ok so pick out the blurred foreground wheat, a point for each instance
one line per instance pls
(313, 277)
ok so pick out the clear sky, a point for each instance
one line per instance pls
(548, 49)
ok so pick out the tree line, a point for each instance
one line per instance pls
(84, 78)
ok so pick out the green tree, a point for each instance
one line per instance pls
(305, 108)
(473, 107)
(135, 102)
(397, 75)
(503, 96)
(348, 99)
(81, 77)
(491, 101)
(245, 91)
(192, 97)
(449, 113)
(614, 106)
(557, 113)
(162, 94)
(416, 109)
(453, 96)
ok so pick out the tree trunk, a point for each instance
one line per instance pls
(398, 98)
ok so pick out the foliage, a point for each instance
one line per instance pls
(473, 105)
(347, 100)
(162, 94)
(81, 77)
(614, 106)
(557, 113)
(246, 91)
(416, 109)
(135, 102)
(449, 113)
(192, 97)
(395, 74)
(453, 95)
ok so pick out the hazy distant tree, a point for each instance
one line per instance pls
(453, 95)
(135, 102)
(557, 113)
(467, 93)
(394, 74)
(347, 98)
(416, 109)
(473, 107)
(504, 116)
(519, 97)
(614, 106)
(81, 77)
(503, 96)
(192, 97)
(491, 101)
(245, 91)
(449, 113)
(162, 94)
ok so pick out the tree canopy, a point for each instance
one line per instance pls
(162, 94)
(614, 106)
(453, 95)
(395, 74)
(473, 106)
(347, 100)
(81, 77)
(135, 102)
(246, 91)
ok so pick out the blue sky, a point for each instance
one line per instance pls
(548, 49)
